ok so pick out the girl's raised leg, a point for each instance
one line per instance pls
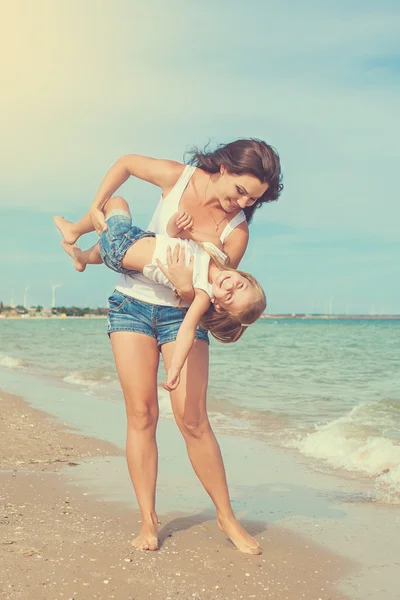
(70, 231)
(81, 258)
(189, 407)
(136, 358)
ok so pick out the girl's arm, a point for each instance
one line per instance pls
(236, 244)
(185, 338)
(162, 173)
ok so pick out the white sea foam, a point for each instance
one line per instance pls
(347, 443)
(164, 403)
(87, 379)
(219, 421)
(10, 362)
(387, 486)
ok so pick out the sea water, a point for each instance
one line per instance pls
(325, 388)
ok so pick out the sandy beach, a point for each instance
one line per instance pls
(60, 541)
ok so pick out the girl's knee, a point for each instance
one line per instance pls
(116, 203)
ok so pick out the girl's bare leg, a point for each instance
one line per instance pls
(189, 407)
(136, 358)
(71, 232)
(81, 258)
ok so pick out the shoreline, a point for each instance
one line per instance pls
(71, 540)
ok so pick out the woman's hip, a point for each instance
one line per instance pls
(160, 322)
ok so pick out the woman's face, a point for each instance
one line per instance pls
(235, 192)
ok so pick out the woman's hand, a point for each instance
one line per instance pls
(98, 220)
(180, 275)
(173, 379)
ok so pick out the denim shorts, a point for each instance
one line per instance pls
(118, 238)
(160, 322)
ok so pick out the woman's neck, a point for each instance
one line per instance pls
(210, 199)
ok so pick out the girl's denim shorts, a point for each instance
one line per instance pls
(118, 238)
(160, 322)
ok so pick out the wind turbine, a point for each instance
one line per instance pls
(331, 305)
(54, 286)
(26, 296)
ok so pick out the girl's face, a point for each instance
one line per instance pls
(232, 292)
(235, 192)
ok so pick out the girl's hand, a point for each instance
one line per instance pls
(173, 379)
(180, 275)
(184, 221)
(180, 221)
(98, 220)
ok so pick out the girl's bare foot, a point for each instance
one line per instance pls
(243, 541)
(66, 229)
(147, 538)
(76, 254)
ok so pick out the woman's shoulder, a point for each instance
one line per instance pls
(157, 171)
(235, 243)
(172, 171)
(238, 222)
(174, 167)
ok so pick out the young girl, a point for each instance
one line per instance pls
(226, 301)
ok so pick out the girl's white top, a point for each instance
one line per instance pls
(201, 262)
(152, 290)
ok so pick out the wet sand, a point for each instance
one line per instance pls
(61, 540)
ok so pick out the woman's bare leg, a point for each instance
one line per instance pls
(189, 407)
(136, 358)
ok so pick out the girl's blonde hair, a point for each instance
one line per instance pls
(228, 327)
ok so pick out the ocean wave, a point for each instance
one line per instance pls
(222, 422)
(10, 362)
(88, 379)
(387, 486)
(355, 443)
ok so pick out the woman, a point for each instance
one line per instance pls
(220, 191)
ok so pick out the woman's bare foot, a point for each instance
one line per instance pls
(76, 254)
(66, 229)
(243, 541)
(147, 538)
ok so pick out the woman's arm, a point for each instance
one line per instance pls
(162, 173)
(236, 244)
(185, 338)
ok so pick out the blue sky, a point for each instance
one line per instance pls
(87, 82)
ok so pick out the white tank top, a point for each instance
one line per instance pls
(140, 287)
